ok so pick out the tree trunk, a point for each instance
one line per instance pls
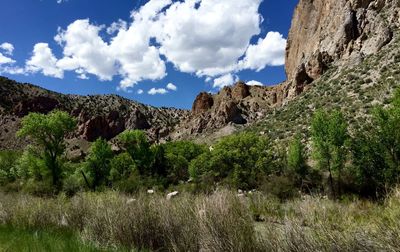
(331, 180)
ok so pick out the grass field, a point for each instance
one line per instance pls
(12, 239)
(21, 240)
(221, 221)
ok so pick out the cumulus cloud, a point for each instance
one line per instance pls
(85, 50)
(268, 51)
(7, 48)
(207, 37)
(203, 37)
(172, 87)
(116, 26)
(61, 1)
(5, 60)
(254, 83)
(44, 61)
(140, 91)
(155, 91)
(225, 80)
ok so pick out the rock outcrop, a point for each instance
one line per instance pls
(239, 104)
(325, 32)
(203, 102)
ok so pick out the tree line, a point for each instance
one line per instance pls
(336, 161)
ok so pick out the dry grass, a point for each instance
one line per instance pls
(218, 222)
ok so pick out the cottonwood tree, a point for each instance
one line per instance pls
(98, 162)
(329, 136)
(376, 150)
(296, 158)
(136, 144)
(48, 133)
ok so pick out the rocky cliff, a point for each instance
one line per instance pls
(232, 107)
(338, 32)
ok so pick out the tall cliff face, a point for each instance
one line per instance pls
(325, 32)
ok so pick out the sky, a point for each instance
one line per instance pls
(158, 52)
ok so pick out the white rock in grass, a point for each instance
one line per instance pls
(64, 221)
(172, 194)
(130, 201)
(150, 191)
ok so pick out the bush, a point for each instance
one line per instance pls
(178, 156)
(236, 160)
(8, 161)
(122, 166)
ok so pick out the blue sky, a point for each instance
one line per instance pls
(136, 48)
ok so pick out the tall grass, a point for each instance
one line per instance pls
(12, 239)
(221, 221)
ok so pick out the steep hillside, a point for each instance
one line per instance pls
(355, 90)
(98, 116)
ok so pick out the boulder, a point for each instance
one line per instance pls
(172, 195)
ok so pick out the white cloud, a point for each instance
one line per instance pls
(12, 70)
(155, 91)
(85, 50)
(61, 1)
(269, 51)
(140, 91)
(207, 37)
(172, 87)
(225, 80)
(5, 60)
(254, 83)
(117, 26)
(44, 61)
(204, 37)
(7, 48)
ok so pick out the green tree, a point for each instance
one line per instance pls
(8, 162)
(376, 150)
(296, 158)
(98, 162)
(329, 136)
(48, 133)
(387, 123)
(122, 166)
(238, 160)
(29, 165)
(178, 155)
(136, 144)
(159, 163)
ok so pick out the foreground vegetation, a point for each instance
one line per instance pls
(221, 221)
(12, 239)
